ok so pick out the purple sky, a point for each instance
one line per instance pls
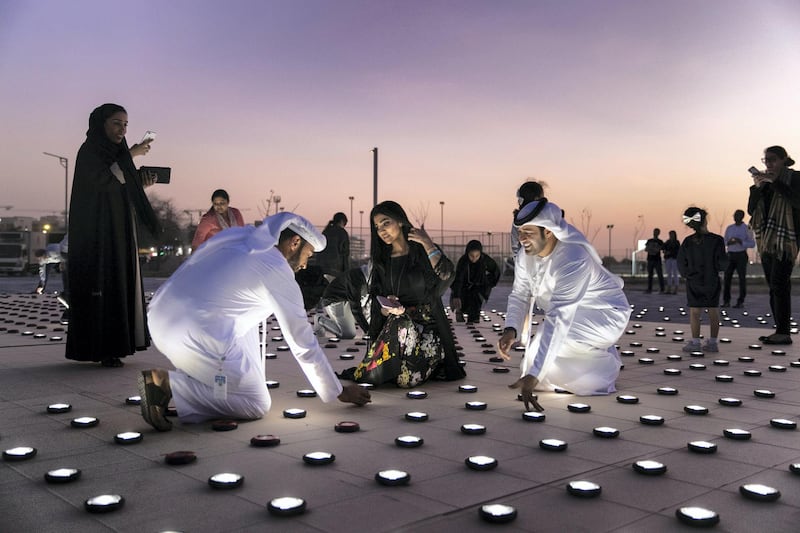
(629, 110)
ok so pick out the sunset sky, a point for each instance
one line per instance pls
(630, 110)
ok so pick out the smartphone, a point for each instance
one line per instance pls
(149, 136)
(162, 173)
(753, 171)
(387, 303)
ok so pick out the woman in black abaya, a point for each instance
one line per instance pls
(107, 310)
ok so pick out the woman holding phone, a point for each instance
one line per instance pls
(411, 337)
(774, 205)
(107, 309)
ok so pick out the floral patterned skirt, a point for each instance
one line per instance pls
(406, 351)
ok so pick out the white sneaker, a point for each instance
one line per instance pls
(692, 346)
(710, 347)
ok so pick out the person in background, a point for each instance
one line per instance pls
(671, 247)
(335, 258)
(527, 192)
(700, 260)
(54, 254)
(107, 310)
(346, 303)
(774, 206)
(585, 308)
(219, 217)
(476, 276)
(738, 238)
(205, 319)
(410, 334)
(653, 248)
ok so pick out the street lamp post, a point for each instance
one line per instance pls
(374, 176)
(361, 231)
(609, 227)
(350, 220)
(441, 219)
(64, 163)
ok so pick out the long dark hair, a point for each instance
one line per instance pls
(337, 218)
(380, 252)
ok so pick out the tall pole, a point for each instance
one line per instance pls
(64, 163)
(361, 231)
(441, 221)
(609, 227)
(350, 220)
(374, 176)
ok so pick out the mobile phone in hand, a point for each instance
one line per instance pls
(753, 171)
(387, 303)
(149, 136)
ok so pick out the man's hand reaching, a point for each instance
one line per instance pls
(355, 394)
(527, 384)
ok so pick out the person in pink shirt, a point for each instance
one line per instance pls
(221, 216)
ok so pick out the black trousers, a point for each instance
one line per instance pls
(778, 273)
(654, 265)
(737, 262)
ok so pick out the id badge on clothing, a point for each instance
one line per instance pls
(220, 387)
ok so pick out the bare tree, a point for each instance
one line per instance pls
(586, 225)
(420, 215)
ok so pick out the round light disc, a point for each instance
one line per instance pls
(579, 407)
(651, 420)
(62, 475)
(226, 480)
(553, 445)
(104, 503)
(730, 402)
(473, 429)
(697, 516)
(606, 432)
(128, 437)
(409, 441)
(650, 468)
(319, 458)
(497, 513)
(84, 422)
(347, 426)
(783, 423)
(759, 492)
(584, 489)
(20, 453)
(533, 416)
(286, 506)
(56, 408)
(264, 441)
(736, 434)
(392, 478)
(417, 416)
(481, 462)
(701, 446)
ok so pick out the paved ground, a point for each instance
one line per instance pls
(443, 494)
